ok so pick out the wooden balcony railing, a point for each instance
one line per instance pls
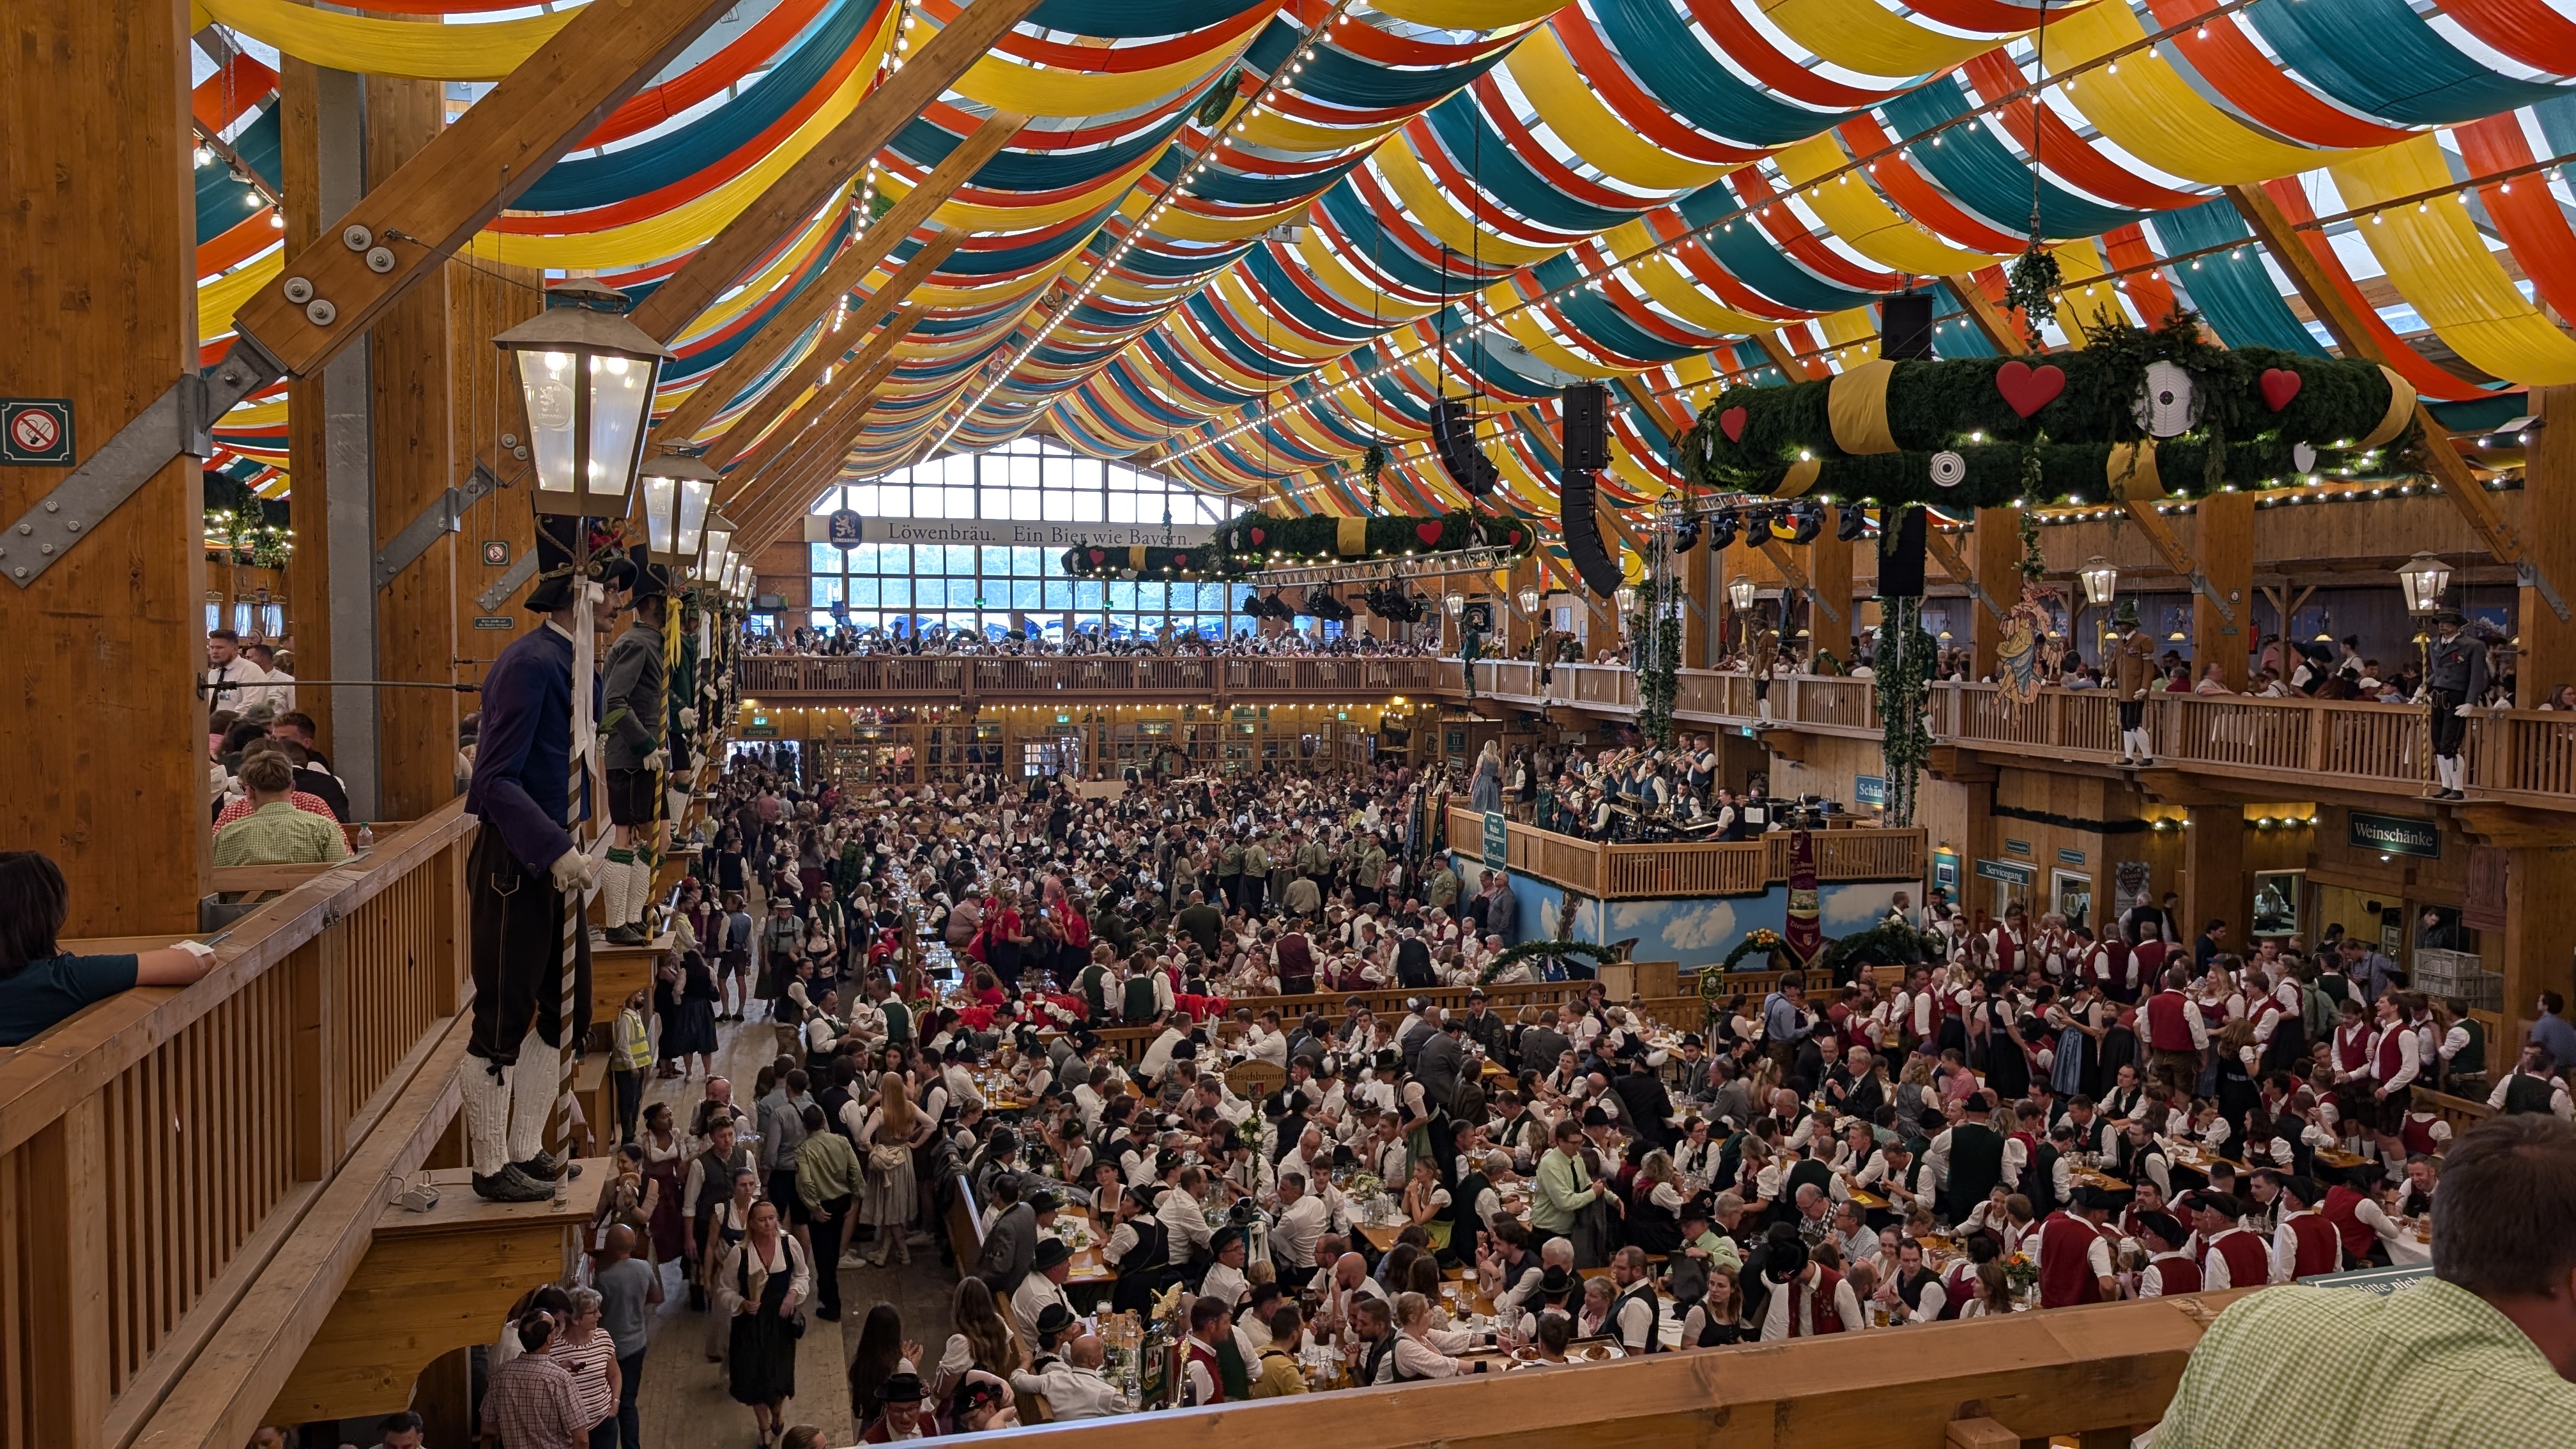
(2086, 1376)
(1713, 868)
(1004, 680)
(159, 1151)
(2525, 756)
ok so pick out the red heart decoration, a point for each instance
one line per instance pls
(1731, 422)
(2280, 384)
(1099, 556)
(1513, 538)
(2027, 389)
(1429, 533)
(1258, 536)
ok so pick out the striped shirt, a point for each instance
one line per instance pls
(279, 834)
(593, 1367)
(2430, 1366)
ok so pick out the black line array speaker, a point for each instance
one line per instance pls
(1582, 533)
(1905, 326)
(1453, 433)
(1587, 426)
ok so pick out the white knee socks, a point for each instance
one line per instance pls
(615, 882)
(535, 1083)
(639, 894)
(487, 1115)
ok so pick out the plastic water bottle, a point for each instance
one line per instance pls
(366, 836)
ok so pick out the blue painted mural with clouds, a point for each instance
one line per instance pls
(1696, 932)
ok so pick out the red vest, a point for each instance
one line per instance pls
(2342, 1208)
(2169, 1021)
(2249, 1258)
(2417, 1133)
(2389, 1052)
(1956, 1287)
(2109, 960)
(2066, 1262)
(2149, 957)
(2352, 1047)
(1822, 1315)
(2007, 952)
(2179, 1274)
(1201, 1354)
(2317, 1246)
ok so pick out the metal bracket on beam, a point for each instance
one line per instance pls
(180, 420)
(2528, 575)
(2200, 585)
(444, 515)
(524, 569)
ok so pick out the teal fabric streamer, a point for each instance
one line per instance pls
(2382, 59)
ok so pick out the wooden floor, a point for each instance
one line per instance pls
(683, 1400)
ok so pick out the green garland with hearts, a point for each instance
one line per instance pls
(1989, 432)
(1251, 542)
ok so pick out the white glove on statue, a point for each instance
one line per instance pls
(658, 760)
(2462, 711)
(688, 718)
(575, 869)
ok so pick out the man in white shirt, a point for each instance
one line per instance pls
(1299, 1222)
(1792, 1310)
(1183, 1217)
(1043, 1288)
(236, 680)
(1158, 1055)
(1225, 1281)
(1072, 1385)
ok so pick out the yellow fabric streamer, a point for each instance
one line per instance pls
(1854, 210)
(2401, 411)
(1286, 133)
(1525, 329)
(2129, 473)
(1350, 537)
(1004, 84)
(2085, 299)
(1680, 293)
(1471, 14)
(1802, 476)
(1546, 74)
(689, 224)
(2439, 264)
(1856, 408)
(2150, 111)
(219, 299)
(975, 217)
(1854, 329)
(1181, 225)
(1422, 196)
(1346, 284)
(1861, 35)
(486, 51)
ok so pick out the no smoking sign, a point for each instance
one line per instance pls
(36, 431)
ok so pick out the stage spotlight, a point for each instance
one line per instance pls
(1686, 535)
(1805, 520)
(1851, 524)
(1723, 526)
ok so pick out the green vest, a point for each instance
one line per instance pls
(1138, 1003)
(1094, 986)
(898, 1022)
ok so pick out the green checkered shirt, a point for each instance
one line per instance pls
(279, 834)
(2429, 1366)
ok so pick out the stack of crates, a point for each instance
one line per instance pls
(2457, 973)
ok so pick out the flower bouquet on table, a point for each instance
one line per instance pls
(2021, 1274)
(1763, 943)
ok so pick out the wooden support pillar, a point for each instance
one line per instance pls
(99, 232)
(1995, 549)
(2549, 531)
(1699, 616)
(1829, 567)
(2539, 938)
(2213, 872)
(411, 372)
(444, 1397)
(2225, 551)
(487, 404)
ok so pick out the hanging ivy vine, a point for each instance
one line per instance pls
(1657, 629)
(1907, 657)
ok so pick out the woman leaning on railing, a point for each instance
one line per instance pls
(41, 985)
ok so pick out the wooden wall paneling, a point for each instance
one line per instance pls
(411, 374)
(99, 230)
(1829, 566)
(2214, 886)
(2539, 935)
(2549, 529)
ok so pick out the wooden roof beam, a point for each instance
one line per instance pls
(843, 153)
(475, 167)
(828, 353)
(843, 275)
(873, 363)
